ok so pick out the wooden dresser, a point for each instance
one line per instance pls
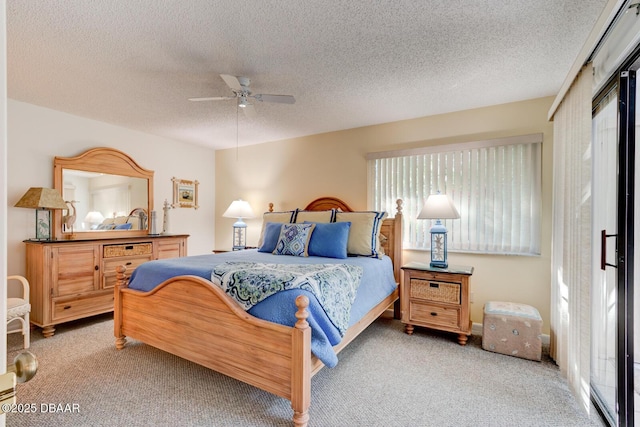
(72, 279)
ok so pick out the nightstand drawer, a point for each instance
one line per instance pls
(432, 290)
(433, 315)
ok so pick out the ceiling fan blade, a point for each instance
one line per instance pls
(212, 98)
(281, 99)
(232, 81)
(249, 110)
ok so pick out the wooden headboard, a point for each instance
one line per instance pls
(391, 228)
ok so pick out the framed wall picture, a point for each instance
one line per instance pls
(185, 193)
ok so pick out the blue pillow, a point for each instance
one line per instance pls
(270, 236)
(125, 226)
(294, 239)
(330, 240)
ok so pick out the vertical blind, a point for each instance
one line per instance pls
(495, 184)
(571, 260)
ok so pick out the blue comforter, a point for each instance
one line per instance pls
(376, 284)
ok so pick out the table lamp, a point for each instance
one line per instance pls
(438, 206)
(239, 209)
(42, 200)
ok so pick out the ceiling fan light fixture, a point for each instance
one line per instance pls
(240, 88)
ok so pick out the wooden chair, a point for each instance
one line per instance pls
(18, 310)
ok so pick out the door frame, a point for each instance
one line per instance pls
(625, 242)
(3, 190)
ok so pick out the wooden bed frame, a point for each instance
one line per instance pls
(194, 319)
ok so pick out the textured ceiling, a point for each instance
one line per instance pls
(348, 63)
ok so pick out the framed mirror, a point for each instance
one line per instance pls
(107, 193)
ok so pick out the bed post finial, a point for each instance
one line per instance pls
(399, 206)
(302, 302)
(121, 277)
(270, 207)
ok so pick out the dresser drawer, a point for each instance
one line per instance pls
(68, 309)
(109, 268)
(111, 251)
(426, 314)
(169, 249)
(432, 290)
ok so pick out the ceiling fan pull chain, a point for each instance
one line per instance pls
(237, 129)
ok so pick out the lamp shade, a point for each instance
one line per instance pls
(439, 206)
(41, 198)
(239, 209)
(94, 217)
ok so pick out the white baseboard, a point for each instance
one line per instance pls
(476, 329)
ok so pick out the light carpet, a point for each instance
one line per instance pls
(384, 378)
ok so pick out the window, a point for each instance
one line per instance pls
(495, 184)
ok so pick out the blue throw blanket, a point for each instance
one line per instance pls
(333, 285)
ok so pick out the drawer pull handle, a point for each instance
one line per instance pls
(66, 307)
(96, 268)
(129, 263)
(130, 247)
(434, 285)
(433, 313)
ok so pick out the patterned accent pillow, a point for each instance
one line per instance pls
(383, 241)
(294, 239)
(106, 227)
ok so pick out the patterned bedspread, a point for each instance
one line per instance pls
(333, 285)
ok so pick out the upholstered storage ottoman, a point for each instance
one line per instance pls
(512, 329)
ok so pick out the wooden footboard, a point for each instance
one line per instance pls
(194, 319)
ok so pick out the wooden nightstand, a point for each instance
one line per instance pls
(437, 298)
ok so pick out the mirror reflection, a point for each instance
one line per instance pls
(99, 201)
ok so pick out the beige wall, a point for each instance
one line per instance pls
(36, 135)
(293, 172)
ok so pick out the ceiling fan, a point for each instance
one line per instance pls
(241, 91)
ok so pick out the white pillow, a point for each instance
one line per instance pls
(364, 233)
(280, 217)
(315, 216)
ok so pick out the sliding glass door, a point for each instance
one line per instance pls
(613, 347)
(604, 301)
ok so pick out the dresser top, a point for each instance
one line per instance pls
(107, 239)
